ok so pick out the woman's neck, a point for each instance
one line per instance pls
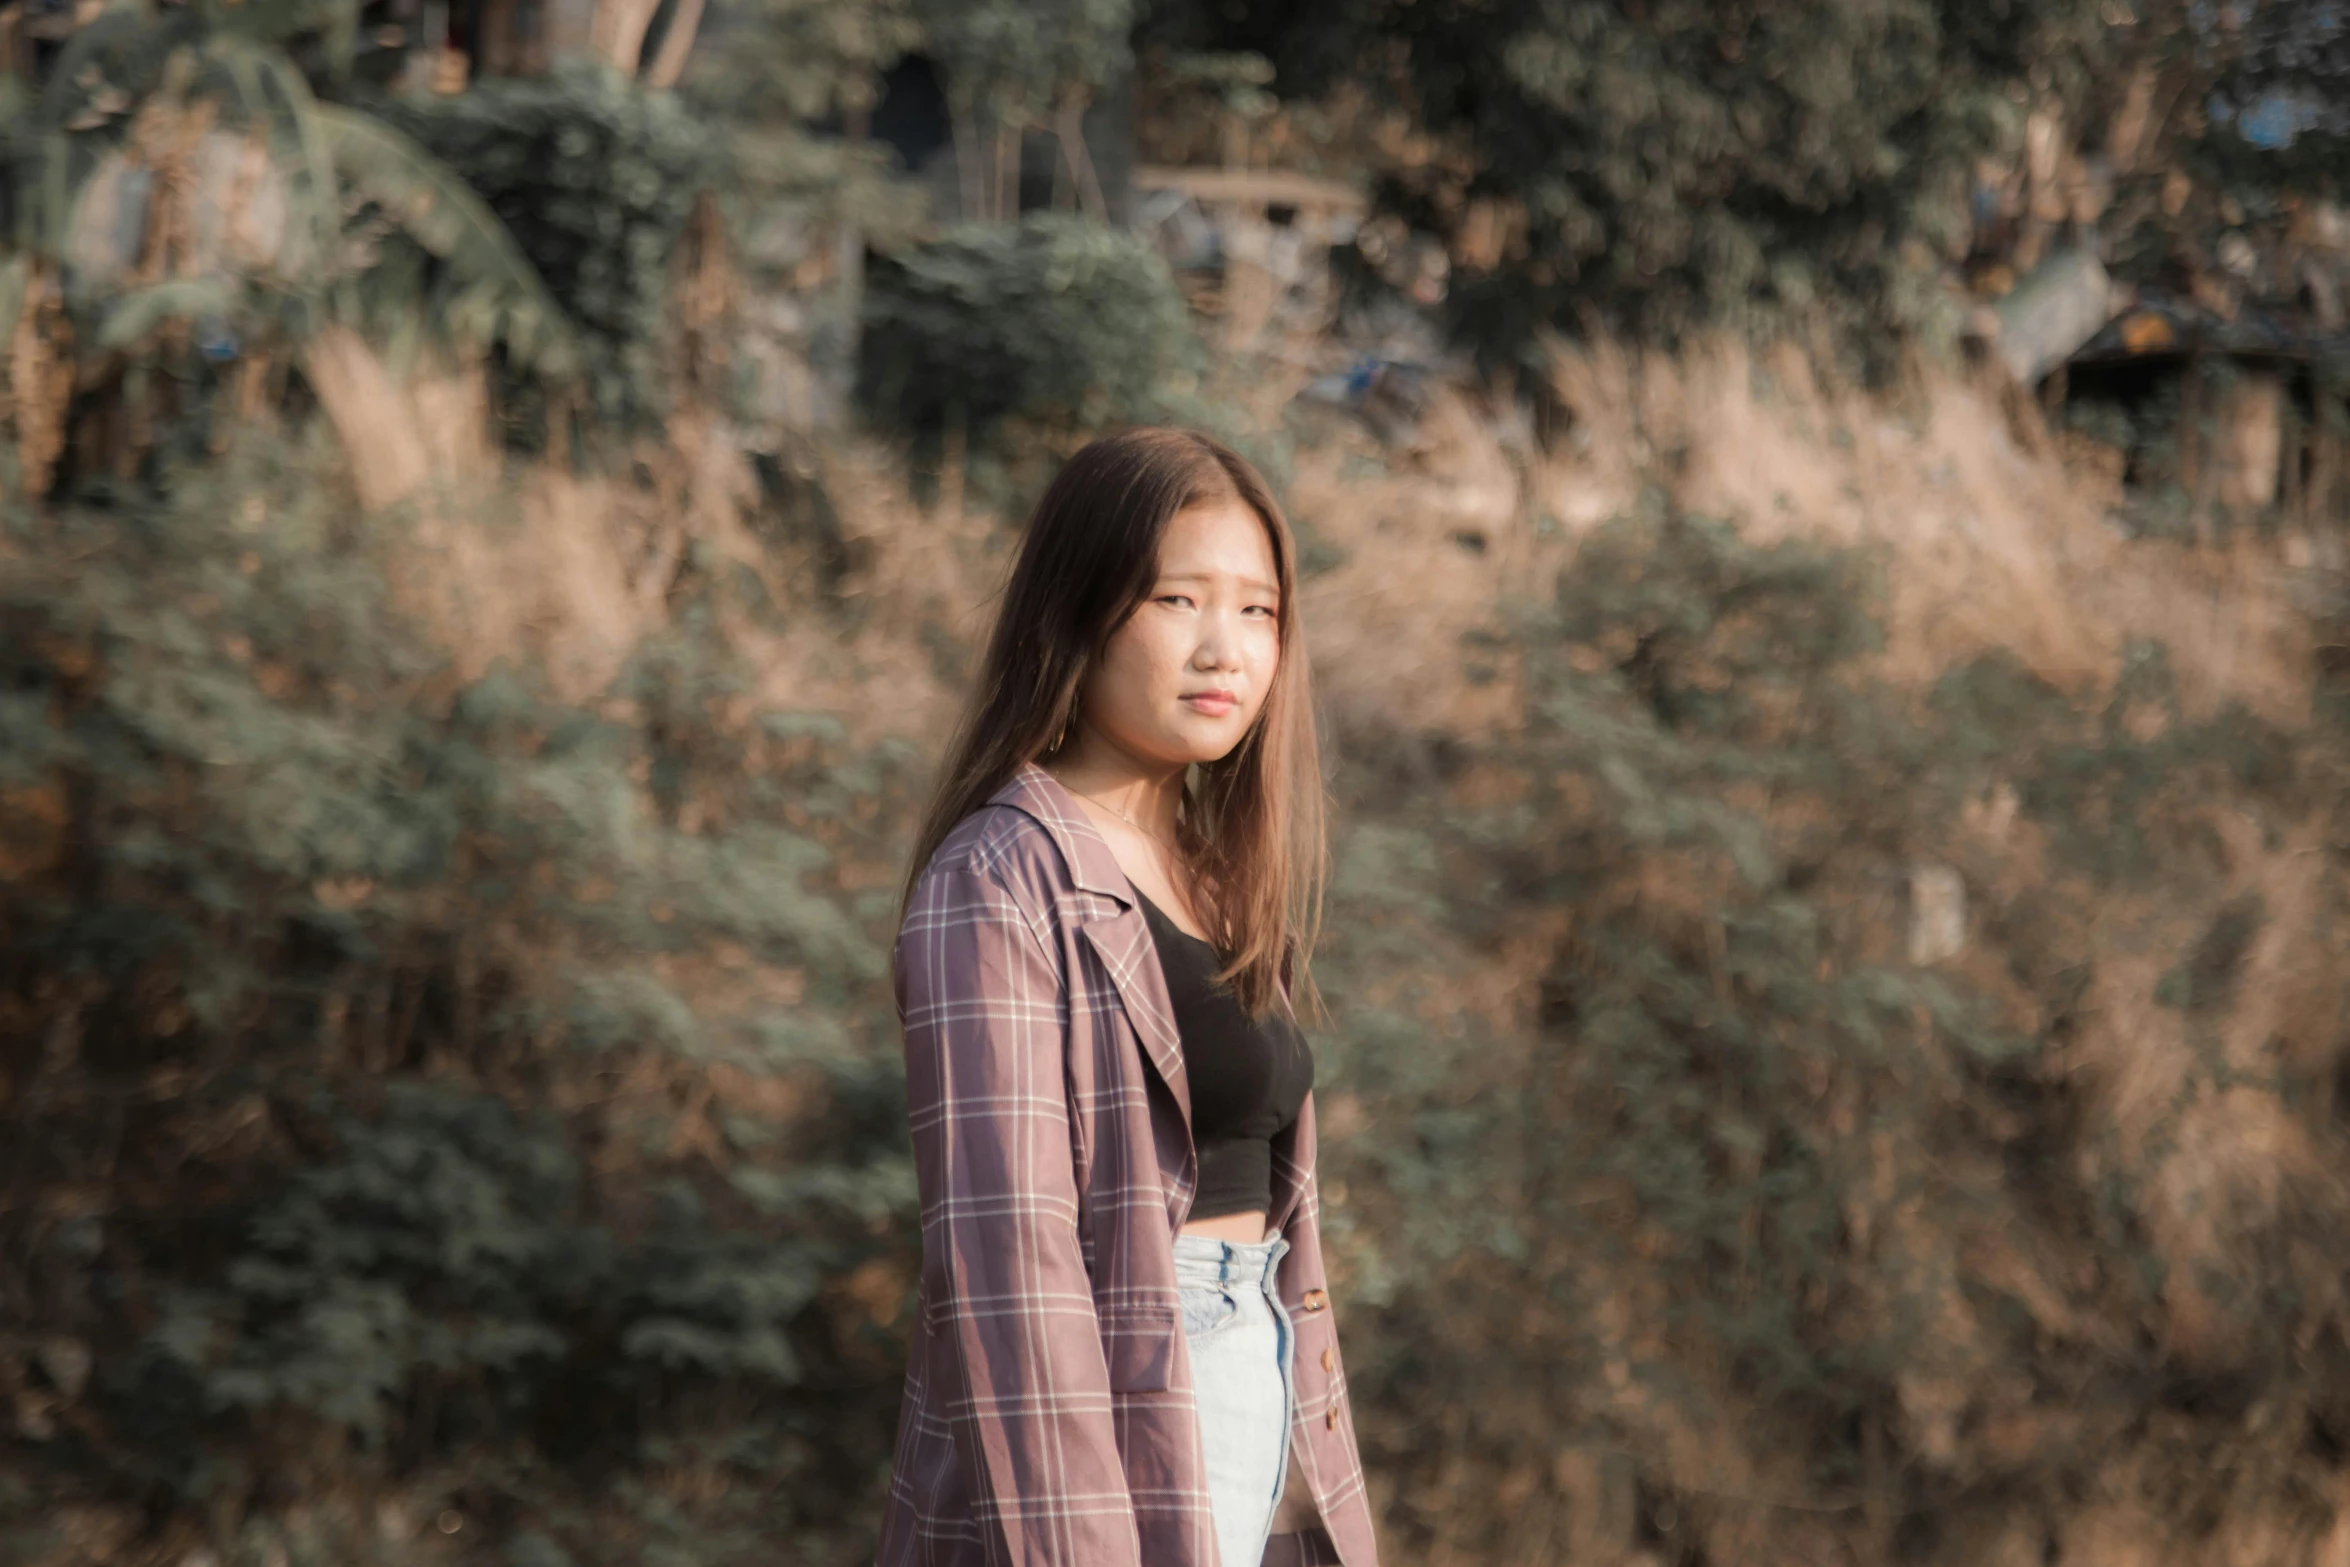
(1148, 796)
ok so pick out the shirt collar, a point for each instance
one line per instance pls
(1092, 866)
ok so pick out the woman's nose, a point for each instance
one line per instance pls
(1219, 645)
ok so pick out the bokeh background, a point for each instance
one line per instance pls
(1823, 523)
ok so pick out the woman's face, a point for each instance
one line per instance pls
(1181, 681)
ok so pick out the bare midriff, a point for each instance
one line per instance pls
(1241, 1229)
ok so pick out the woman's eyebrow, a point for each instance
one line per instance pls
(1253, 584)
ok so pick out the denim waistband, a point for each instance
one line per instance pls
(1200, 1260)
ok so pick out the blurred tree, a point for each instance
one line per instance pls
(1707, 163)
(794, 62)
(1011, 343)
(1011, 63)
(405, 1075)
(1684, 163)
(789, 86)
(594, 176)
(1799, 1230)
(188, 217)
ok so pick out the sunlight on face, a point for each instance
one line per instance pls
(1181, 681)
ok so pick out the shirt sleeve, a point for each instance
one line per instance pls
(1004, 1285)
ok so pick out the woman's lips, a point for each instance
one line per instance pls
(1215, 704)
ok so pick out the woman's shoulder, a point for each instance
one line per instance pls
(1005, 845)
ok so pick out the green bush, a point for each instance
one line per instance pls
(374, 1014)
(1055, 326)
(1722, 1181)
(1684, 166)
(595, 178)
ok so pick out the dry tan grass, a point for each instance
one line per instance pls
(536, 564)
(1436, 545)
(1991, 544)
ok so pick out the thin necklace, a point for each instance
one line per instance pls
(1147, 833)
(1130, 821)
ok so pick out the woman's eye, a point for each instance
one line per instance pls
(1175, 598)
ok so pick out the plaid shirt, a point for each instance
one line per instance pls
(1048, 1416)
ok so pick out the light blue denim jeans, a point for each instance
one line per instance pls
(1240, 1353)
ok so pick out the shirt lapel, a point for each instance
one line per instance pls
(1123, 939)
(1127, 951)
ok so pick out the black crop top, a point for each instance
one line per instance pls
(1248, 1077)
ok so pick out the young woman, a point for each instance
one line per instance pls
(1125, 1354)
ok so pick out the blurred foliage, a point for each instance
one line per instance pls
(1667, 1127)
(594, 177)
(1020, 59)
(361, 1021)
(1022, 340)
(773, 81)
(1685, 165)
(1056, 319)
(187, 216)
(423, 1090)
(1756, 1182)
(432, 1079)
(772, 69)
(414, 209)
(791, 62)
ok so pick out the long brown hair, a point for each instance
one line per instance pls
(1251, 824)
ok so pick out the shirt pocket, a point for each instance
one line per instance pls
(1138, 1343)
